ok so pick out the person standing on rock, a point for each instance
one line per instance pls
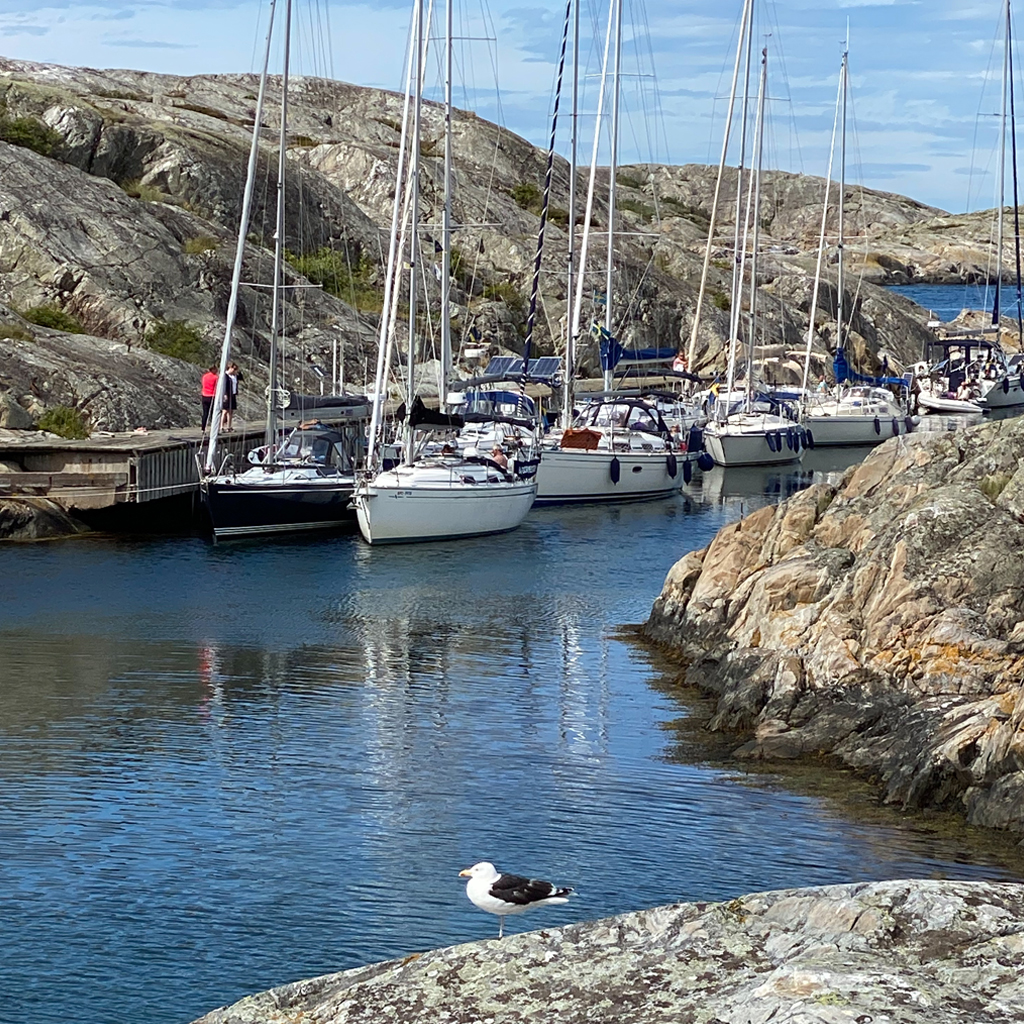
(231, 379)
(208, 393)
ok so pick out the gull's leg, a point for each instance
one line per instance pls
(501, 927)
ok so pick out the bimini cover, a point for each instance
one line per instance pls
(421, 416)
(841, 368)
(612, 353)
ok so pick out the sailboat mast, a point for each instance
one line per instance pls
(243, 231)
(414, 234)
(577, 306)
(446, 217)
(396, 246)
(276, 316)
(695, 326)
(1016, 200)
(1002, 172)
(739, 233)
(613, 160)
(812, 316)
(758, 163)
(841, 243)
(570, 337)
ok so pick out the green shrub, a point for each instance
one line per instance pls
(721, 300)
(29, 133)
(145, 193)
(676, 207)
(64, 421)
(303, 142)
(642, 210)
(505, 291)
(527, 196)
(178, 339)
(55, 317)
(629, 181)
(200, 244)
(346, 279)
(558, 216)
(13, 332)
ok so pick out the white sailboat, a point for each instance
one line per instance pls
(744, 433)
(863, 412)
(428, 497)
(619, 448)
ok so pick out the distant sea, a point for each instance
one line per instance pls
(946, 301)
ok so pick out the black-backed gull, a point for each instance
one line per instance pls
(502, 894)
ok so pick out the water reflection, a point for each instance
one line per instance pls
(221, 769)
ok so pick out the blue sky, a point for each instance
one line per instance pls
(924, 75)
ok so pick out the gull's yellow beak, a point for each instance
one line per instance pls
(465, 873)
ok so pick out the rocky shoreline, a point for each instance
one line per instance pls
(879, 621)
(903, 952)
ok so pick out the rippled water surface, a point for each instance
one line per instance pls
(226, 768)
(946, 301)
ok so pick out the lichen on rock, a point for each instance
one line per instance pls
(904, 952)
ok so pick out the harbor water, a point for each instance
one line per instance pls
(227, 767)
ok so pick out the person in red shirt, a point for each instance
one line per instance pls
(209, 391)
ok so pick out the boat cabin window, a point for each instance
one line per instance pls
(316, 447)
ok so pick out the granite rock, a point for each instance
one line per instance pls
(879, 621)
(902, 952)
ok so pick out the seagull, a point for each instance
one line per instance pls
(502, 894)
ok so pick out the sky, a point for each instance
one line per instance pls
(924, 75)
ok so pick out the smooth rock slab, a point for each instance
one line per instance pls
(902, 952)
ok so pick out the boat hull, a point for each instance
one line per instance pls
(954, 406)
(575, 476)
(854, 431)
(997, 398)
(392, 511)
(746, 444)
(238, 509)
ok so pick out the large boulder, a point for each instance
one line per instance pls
(907, 952)
(881, 621)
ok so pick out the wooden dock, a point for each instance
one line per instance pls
(111, 469)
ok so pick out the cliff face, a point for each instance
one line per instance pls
(126, 217)
(913, 952)
(881, 621)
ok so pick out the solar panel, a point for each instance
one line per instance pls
(546, 366)
(504, 364)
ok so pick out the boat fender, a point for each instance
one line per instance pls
(808, 439)
(695, 442)
(1006, 385)
(615, 469)
(790, 439)
(878, 426)
(705, 461)
(798, 439)
(687, 471)
(895, 427)
(770, 438)
(909, 424)
(671, 465)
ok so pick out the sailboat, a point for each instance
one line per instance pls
(861, 411)
(749, 429)
(304, 482)
(426, 496)
(998, 386)
(619, 447)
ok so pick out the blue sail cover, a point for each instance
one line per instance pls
(612, 352)
(841, 368)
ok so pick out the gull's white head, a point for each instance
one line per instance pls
(485, 869)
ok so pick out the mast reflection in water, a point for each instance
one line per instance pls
(226, 768)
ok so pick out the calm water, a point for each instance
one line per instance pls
(225, 768)
(946, 301)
